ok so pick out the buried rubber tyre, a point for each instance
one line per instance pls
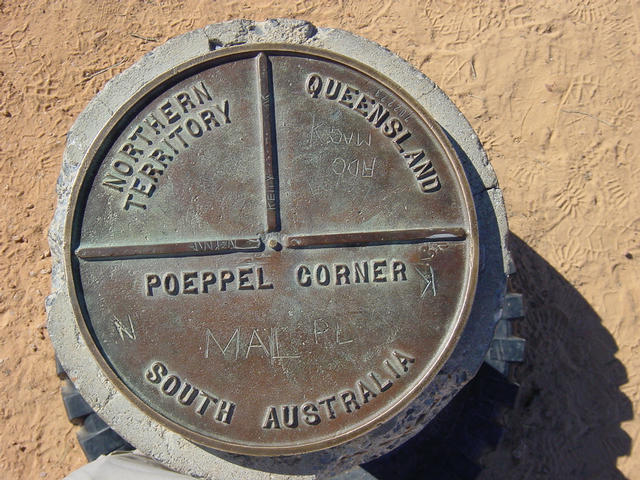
(94, 435)
(93, 336)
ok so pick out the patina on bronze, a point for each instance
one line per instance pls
(272, 250)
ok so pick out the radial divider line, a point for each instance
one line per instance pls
(267, 131)
(180, 249)
(376, 238)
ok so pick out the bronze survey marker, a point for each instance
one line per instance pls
(273, 251)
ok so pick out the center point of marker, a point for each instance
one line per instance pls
(273, 244)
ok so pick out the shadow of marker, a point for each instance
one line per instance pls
(567, 420)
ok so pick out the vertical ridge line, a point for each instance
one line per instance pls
(265, 99)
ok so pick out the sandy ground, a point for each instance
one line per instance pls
(550, 88)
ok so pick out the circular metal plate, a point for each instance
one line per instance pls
(271, 251)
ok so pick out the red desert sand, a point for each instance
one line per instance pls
(551, 88)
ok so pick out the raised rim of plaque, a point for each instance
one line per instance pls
(120, 120)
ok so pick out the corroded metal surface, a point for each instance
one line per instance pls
(272, 251)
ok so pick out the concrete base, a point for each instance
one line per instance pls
(168, 447)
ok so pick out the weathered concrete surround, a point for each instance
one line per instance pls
(167, 446)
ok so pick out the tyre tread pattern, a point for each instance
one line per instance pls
(94, 436)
